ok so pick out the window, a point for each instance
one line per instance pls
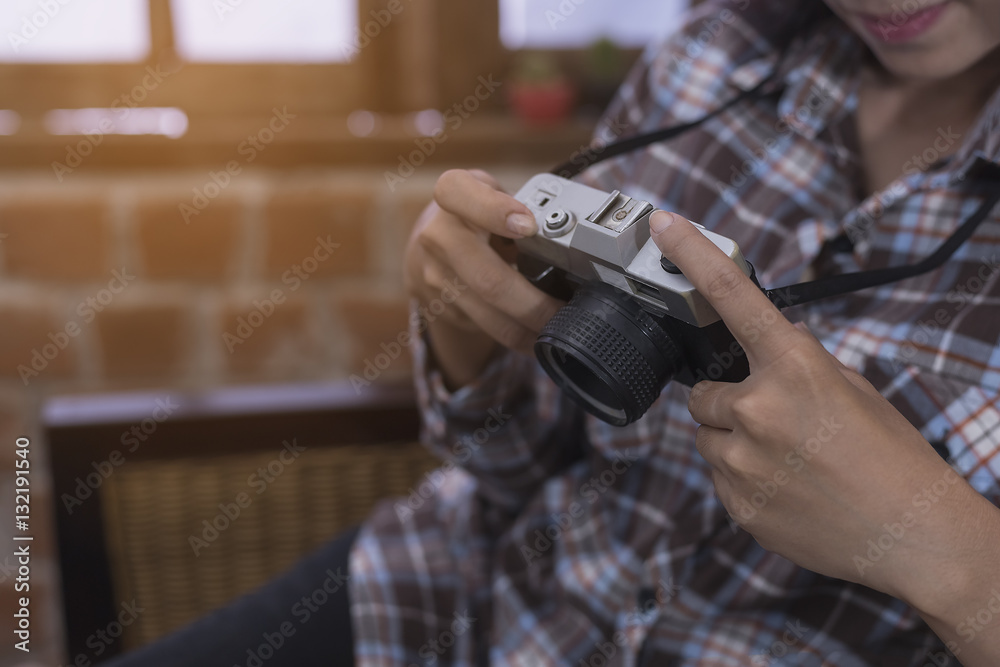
(77, 31)
(360, 76)
(560, 24)
(65, 63)
(296, 31)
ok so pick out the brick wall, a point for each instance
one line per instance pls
(282, 276)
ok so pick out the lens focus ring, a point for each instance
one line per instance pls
(607, 353)
(610, 347)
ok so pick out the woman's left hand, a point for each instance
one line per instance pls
(813, 462)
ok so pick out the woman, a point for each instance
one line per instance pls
(808, 520)
(874, 114)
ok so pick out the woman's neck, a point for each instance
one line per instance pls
(969, 90)
(905, 125)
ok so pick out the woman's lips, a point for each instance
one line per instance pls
(899, 26)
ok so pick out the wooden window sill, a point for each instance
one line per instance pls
(481, 139)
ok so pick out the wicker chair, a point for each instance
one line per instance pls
(207, 507)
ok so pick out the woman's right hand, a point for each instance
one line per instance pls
(450, 245)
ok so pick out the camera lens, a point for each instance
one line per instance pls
(608, 354)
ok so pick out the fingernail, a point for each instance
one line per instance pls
(521, 224)
(659, 221)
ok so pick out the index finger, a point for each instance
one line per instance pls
(463, 194)
(741, 304)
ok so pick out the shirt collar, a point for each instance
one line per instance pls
(816, 77)
(983, 141)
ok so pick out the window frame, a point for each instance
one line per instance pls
(31, 89)
(408, 66)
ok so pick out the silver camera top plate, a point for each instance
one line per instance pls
(595, 235)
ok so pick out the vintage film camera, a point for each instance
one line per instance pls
(633, 321)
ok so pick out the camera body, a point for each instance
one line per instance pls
(633, 321)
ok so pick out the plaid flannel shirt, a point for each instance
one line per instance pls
(550, 537)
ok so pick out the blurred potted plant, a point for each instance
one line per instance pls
(605, 66)
(538, 92)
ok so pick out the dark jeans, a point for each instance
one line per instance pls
(292, 621)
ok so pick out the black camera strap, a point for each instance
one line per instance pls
(823, 288)
(577, 165)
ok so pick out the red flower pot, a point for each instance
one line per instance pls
(541, 103)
